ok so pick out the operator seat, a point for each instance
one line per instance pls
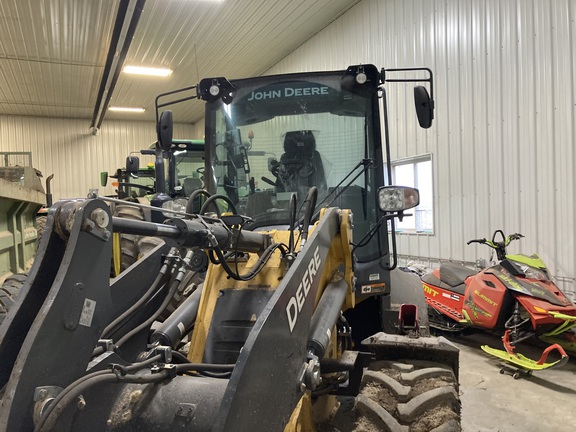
(191, 184)
(300, 166)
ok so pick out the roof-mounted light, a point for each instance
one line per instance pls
(150, 71)
(127, 109)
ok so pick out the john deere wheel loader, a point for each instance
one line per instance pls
(285, 333)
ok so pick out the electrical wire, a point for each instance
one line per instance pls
(368, 236)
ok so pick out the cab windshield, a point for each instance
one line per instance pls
(188, 165)
(282, 135)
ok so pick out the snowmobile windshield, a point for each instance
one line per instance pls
(284, 134)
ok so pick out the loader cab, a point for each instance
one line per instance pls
(271, 136)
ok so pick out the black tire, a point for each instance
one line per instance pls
(412, 396)
(10, 288)
(146, 243)
(128, 242)
(40, 225)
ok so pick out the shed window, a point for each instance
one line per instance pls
(416, 172)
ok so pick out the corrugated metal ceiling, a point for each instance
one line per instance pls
(53, 52)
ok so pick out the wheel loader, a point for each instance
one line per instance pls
(299, 325)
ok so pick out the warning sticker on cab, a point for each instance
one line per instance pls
(374, 288)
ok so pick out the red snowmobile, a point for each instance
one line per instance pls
(515, 297)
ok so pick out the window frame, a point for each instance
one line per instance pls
(413, 160)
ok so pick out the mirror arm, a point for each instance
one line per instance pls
(430, 78)
(394, 251)
(173, 102)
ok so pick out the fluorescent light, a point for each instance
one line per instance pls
(138, 70)
(127, 109)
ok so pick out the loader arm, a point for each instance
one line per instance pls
(48, 339)
(279, 340)
(62, 325)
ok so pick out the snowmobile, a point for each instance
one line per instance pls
(515, 297)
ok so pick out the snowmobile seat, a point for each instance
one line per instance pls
(454, 275)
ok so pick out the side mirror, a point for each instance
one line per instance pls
(424, 106)
(132, 164)
(397, 198)
(103, 178)
(165, 130)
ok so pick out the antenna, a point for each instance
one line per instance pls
(196, 58)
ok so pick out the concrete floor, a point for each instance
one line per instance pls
(546, 401)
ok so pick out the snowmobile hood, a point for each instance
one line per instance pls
(530, 288)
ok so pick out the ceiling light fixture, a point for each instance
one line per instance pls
(139, 70)
(127, 109)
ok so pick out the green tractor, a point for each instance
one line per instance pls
(167, 183)
(22, 219)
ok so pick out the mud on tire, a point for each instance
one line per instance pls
(405, 397)
(8, 292)
(40, 225)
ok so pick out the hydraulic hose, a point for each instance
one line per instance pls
(192, 198)
(211, 200)
(293, 205)
(60, 402)
(50, 421)
(310, 206)
(153, 288)
(204, 367)
(256, 268)
(165, 303)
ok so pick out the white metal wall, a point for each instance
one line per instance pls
(65, 148)
(504, 136)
